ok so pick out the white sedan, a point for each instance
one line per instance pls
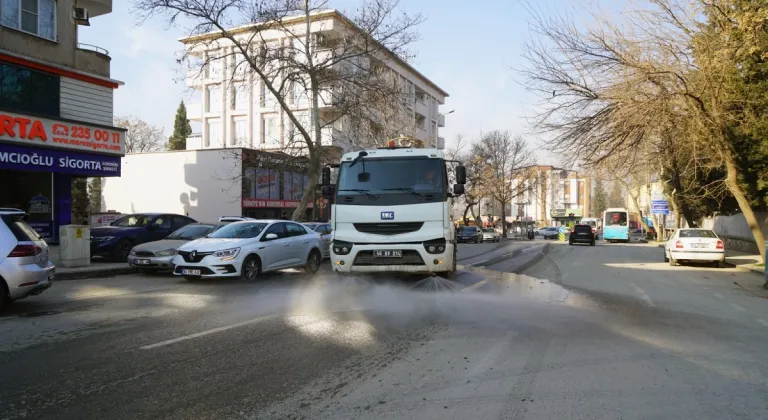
(694, 245)
(246, 249)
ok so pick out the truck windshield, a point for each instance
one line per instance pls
(393, 176)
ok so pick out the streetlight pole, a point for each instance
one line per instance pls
(437, 126)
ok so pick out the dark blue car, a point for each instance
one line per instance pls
(116, 240)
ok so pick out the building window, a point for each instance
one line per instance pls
(269, 130)
(36, 17)
(240, 133)
(214, 66)
(267, 98)
(214, 99)
(240, 97)
(214, 133)
(29, 91)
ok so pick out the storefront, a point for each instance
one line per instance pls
(274, 184)
(566, 217)
(39, 157)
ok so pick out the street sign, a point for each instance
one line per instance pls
(659, 207)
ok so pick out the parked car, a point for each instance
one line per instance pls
(582, 234)
(469, 234)
(234, 218)
(246, 249)
(25, 266)
(158, 255)
(550, 232)
(490, 234)
(326, 235)
(694, 244)
(116, 240)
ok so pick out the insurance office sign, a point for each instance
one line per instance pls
(31, 131)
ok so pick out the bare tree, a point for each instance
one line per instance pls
(141, 136)
(501, 159)
(609, 89)
(322, 69)
(473, 189)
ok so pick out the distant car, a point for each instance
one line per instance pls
(326, 234)
(550, 232)
(469, 234)
(25, 266)
(694, 245)
(116, 240)
(582, 234)
(234, 218)
(247, 249)
(158, 255)
(490, 234)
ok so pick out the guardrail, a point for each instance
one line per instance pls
(93, 48)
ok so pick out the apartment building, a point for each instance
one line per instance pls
(56, 100)
(550, 195)
(235, 108)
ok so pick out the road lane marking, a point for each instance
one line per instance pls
(479, 262)
(738, 307)
(763, 323)
(718, 295)
(475, 286)
(644, 296)
(207, 332)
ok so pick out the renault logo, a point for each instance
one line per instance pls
(193, 254)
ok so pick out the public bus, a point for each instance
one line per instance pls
(616, 225)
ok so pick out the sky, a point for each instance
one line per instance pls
(470, 52)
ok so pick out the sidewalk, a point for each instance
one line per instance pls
(99, 268)
(744, 260)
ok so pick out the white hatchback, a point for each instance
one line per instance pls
(246, 249)
(700, 245)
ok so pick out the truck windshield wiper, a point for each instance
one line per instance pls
(360, 190)
(406, 189)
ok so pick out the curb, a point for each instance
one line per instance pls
(100, 272)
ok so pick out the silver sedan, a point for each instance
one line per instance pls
(326, 236)
(158, 255)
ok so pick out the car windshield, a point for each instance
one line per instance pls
(132, 220)
(489, 230)
(468, 230)
(240, 230)
(697, 234)
(392, 176)
(192, 231)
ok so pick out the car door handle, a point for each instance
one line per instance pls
(305, 242)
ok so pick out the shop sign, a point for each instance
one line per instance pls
(44, 132)
(566, 212)
(51, 160)
(44, 229)
(279, 204)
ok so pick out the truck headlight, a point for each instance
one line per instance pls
(435, 246)
(227, 254)
(341, 247)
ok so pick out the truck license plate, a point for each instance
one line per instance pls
(388, 253)
(190, 272)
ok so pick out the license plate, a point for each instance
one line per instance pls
(388, 253)
(190, 272)
(142, 262)
(698, 245)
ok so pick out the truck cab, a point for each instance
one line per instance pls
(392, 212)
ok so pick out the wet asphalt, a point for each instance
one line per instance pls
(529, 330)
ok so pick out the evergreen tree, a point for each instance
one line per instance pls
(181, 129)
(79, 200)
(600, 199)
(616, 198)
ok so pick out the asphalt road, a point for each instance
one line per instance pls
(605, 332)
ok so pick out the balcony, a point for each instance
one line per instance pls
(92, 59)
(96, 7)
(195, 111)
(421, 107)
(195, 141)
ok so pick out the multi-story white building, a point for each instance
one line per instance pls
(235, 108)
(55, 108)
(550, 195)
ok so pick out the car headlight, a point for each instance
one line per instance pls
(133, 252)
(166, 253)
(227, 254)
(341, 247)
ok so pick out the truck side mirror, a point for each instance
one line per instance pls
(461, 175)
(458, 189)
(328, 191)
(326, 176)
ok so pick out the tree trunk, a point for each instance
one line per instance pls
(732, 181)
(503, 219)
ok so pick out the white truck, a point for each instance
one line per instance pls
(391, 211)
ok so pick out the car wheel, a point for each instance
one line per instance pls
(666, 259)
(476, 241)
(121, 251)
(251, 268)
(313, 262)
(672, 261)
(717, 264)
(5, 299)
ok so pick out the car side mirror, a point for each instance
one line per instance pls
(461, 175)
(270, 236)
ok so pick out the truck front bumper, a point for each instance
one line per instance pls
(415, 259)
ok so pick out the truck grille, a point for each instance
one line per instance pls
(410, 257)
(388, 228)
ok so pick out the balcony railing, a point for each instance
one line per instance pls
(92, 59)
(94, 48)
